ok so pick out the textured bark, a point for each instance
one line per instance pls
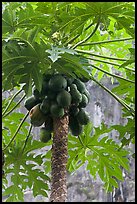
(59, 160)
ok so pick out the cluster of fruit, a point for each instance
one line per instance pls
(59, 93)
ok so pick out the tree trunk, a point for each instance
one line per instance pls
(59, 160)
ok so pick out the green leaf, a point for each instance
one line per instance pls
(37, 77)
(26, 172)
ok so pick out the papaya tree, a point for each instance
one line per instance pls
(50, 51)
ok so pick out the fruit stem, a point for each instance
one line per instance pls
(27, 139)
(17, 93)
(81, 141)
(105, 41)
(14, 106)
(17, 131)
(102, 56)
(114, 75)
(88, 37)
(115, 64)
(114, 96)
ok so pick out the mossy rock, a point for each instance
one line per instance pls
(57, 83)
(64, 99)
(83, 117)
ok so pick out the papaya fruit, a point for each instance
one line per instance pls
(36, 116)
(73, 110)
(75, 94)
(83, 79)
(57, 83)
(45, 106)
(49, 124)
(56, 111)
(45, 135)
(80, 85)
(70, 81)
(64, 99)
(51, 95)
(36, 94)
(30, 102)
(84, 101)
(46, 77)
(75, 128)
(87, 94)
(83, 117)
(45, 88)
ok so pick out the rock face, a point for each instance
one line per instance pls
(81, 187)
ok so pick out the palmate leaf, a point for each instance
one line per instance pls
(102, 154)
(124, 88)
(74, 21)
(70, 63)
(47, 161)
(8, 19)
(26, 171)
(126, 130)
(18, 15)
(56, 51)
(24, 63)
(14, 194)
(10, 124)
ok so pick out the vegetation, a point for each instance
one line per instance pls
(86, 41)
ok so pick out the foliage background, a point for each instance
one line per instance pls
(72, 38)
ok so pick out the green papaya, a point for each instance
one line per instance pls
(84, 79)
(30, 102)
(56, 111)
(64, 99)
(36, 116)
(49, 124)
(45, 88)
(75, 94)
(87, 94)
(73, 110)
(45, 106)
(57, 83)
(83, 117)
(52, 95)
(46, 77)
(84, 101)
(75, 127)
(80, 85)
(36, 93)
(70, 81)
(45, 135)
